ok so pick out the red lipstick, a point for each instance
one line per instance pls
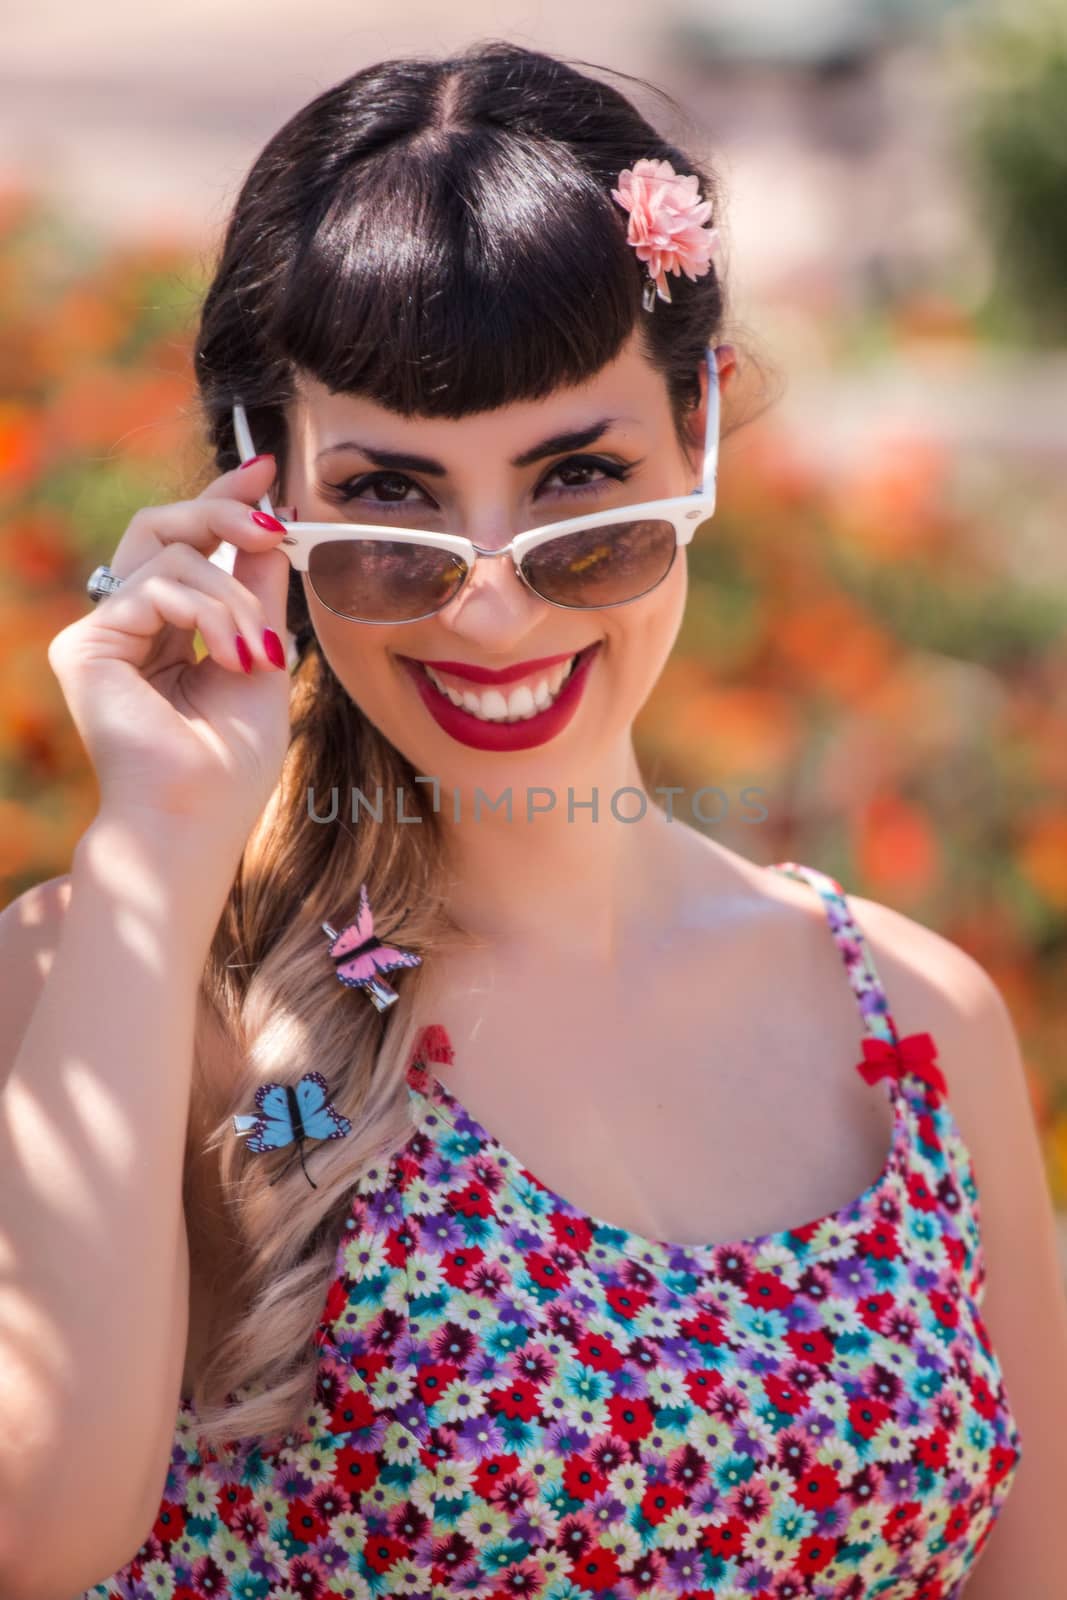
(523, 734)
(521, 669)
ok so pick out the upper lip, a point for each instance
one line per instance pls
(521, 669)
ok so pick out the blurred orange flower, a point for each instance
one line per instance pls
(896, 848)
(1043, 856)
(21, 445)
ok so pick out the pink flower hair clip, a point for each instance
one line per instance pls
(667, 224)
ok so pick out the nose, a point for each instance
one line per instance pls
(494, 607)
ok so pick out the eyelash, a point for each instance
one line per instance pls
(345, 493)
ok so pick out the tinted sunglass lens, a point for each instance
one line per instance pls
(602, 566)
(383, 580)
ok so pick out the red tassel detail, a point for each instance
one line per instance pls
(915, 1053)
(435, 1045)
(432, 1044)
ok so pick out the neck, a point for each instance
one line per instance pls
(571, 881)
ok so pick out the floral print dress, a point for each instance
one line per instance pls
(515, 1399)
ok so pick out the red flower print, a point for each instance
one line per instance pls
(920, 1195)
(234, 1503)
(1001, 1462)
(581, 1478)
(659, 1500)
(881, 1241)
(812, 1346)
(577, 1232)
(867, 1415)
(597, 1570)
(630, 1418)
(169, 1523)
(473, 1201)
(517, 1400)
(899, 1523)
(545, 1272)
(944, 1308)
(817, 1487)
(983, 1399)
(766, 1290)
(431, 1381)
(956, 1251)
(626, 1302)
(353, 1411)
(336, 1301)
(381, 1552)
(459, 1265)
(703, 1386)
(357, 1471)
(305, 1523)
(593, 1350)
(784, 1394)
(490, 1474)
(707, 1327)
(931, 1452)
(873, 1308)
(724, 1538)
(957, 1525)
(816, 1552)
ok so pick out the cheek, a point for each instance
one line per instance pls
(356, 652)
(657, 621)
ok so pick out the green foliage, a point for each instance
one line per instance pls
(1018, 158)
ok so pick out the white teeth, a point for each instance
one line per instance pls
(492, 706)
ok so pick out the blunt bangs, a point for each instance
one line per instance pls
(462, 270)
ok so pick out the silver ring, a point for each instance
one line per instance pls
(102, 582)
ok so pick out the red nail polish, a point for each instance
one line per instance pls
(265, 520)
(265, 456)
(244, 654)
(274, 648)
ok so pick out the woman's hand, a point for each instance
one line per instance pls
(176, 742)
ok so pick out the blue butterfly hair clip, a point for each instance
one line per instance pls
(287, 1113)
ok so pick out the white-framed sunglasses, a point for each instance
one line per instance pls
(367, 572)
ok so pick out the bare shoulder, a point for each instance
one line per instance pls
(934, 985)
(931, 982)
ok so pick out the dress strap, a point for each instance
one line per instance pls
(885, 1053)
(855, 951)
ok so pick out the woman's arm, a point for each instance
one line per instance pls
(96, 1051)
(933, 984)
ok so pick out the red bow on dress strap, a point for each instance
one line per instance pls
(914, 1053)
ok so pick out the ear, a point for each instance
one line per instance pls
(726, 360)
(726, 364)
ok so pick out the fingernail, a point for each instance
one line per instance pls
(274, 648)
(265, 456)
(265, 520)
(243, 652)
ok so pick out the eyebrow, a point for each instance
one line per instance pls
(401, 460)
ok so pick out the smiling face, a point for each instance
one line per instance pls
(529, 713)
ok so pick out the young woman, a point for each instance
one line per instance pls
(610, 1229)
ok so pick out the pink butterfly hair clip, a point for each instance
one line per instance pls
(361, 957)
(667, 226)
